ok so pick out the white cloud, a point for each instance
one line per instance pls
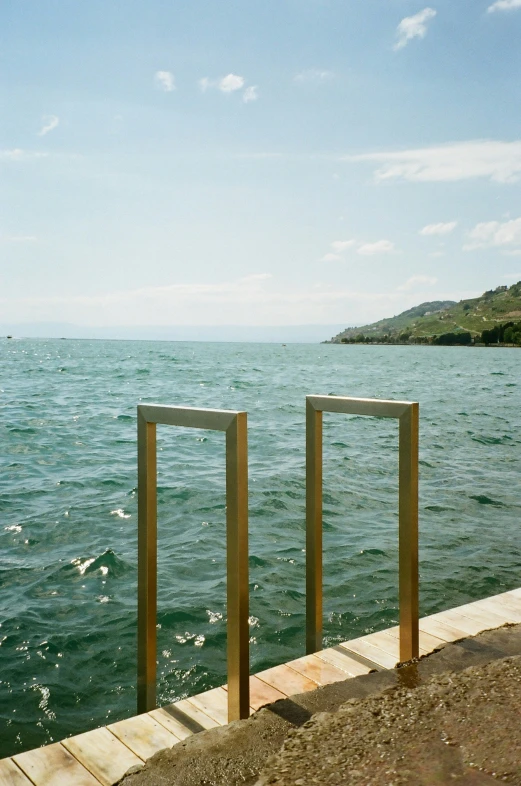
(256, 277)
(250, 94)
(242, 302)
(417, 281)
(252, 300)
(50, 122)
(17, 238)
(330, 258)
(365, 249)
(260, 155)
(341, 245)
(380, 247)
(230, 83)
(490, 234)
(16, 154)
(439, 229)
(314, 76)
(164, 80)
(514, 252)
(504, 5)
(413, 27)
(499, 161)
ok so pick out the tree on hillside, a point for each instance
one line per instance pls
(453, 339)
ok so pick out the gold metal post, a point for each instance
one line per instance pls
(237, 567)
(234, 424)
(407, 414)
(313, 528)
(408, 533)
(147, 563)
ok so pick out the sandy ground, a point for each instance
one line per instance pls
(452, 718)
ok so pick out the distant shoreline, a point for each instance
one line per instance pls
(426, 344)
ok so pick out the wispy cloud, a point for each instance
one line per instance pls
(413, 27)
(504, 5)
(364, 249)
(252, 300)
(314, 76)
(164, 80)
(499, 161)
(17, 238)
(330, 258)
(380, 247)
(17, 154)
(250, 94)
(490, 234)
(50, 122)
(414, 282)
(439, 229)
(341, 245)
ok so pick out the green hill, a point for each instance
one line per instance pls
(427, 322)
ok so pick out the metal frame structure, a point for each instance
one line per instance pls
(234, 424)
(407, 414)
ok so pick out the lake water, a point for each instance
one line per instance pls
(68, 509)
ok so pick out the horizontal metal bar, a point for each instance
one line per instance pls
(190, 417)
(379, 408)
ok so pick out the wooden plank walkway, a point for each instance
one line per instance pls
(104, 755)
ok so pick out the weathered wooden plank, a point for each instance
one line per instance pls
(184, 709)
(261, 693)
(441, 629)
(388, 643)
(513, 599)
(11, 775)
(320, 671)
(480, 614)
(339, 657)
(143, 735)
(54, 766)
(428, 642)
(470, 626)
(102, 754)
(370, 652)
(173, 724)
(286, 680)
(214, 703)
(508, 610)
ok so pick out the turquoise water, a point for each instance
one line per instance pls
(68, 509)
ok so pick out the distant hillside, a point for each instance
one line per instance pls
(427, 322)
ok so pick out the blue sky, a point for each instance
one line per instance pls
(270, 162)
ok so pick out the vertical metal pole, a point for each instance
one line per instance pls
(408, 534)
(313, 529)
(147, 564)
(237, 568)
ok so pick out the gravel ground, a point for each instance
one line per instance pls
(452, 718)
(458, 728)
